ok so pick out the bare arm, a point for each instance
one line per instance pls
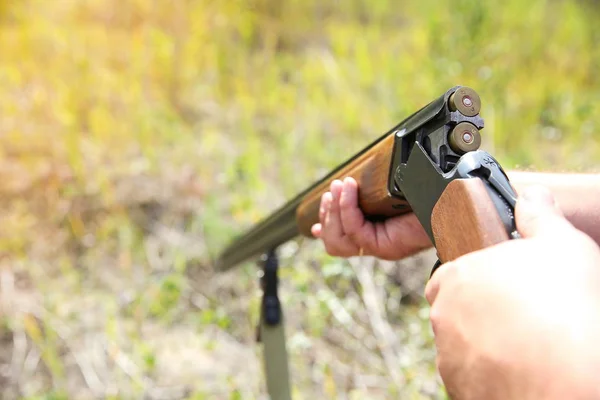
(577, 195)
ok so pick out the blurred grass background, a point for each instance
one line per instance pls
(138, 136)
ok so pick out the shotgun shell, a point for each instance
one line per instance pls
(466, 101)
(464, 137)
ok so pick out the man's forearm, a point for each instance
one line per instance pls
(578, 196)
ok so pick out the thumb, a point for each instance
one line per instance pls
(537, 213)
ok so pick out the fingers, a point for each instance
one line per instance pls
(433, 286)
(345, 230)
(331, 230)
(353, 220)
(352, 216)
(317, 229)
(324, 207)
(342, 224)
(537, 213)
(333, 219)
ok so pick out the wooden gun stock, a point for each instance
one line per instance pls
(465, 220)
(371, 171)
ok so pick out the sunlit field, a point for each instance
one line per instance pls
(138, 137)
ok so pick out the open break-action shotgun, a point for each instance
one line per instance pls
(428, 164)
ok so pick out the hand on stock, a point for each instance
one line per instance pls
(345, 230)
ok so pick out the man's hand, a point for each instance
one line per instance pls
(345, 230)
(521, 320)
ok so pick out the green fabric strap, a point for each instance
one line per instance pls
(276, 360)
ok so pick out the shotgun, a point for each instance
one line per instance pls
(429, 164)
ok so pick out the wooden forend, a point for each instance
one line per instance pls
(465, 220)
(371, 173)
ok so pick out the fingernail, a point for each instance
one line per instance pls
(335, 192)
(316, 229)
(346, 187)
(538, 195)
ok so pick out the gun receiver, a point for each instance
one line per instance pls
(429, 164)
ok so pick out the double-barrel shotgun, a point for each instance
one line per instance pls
(429, 164)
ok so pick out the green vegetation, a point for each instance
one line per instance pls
(137, 137)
